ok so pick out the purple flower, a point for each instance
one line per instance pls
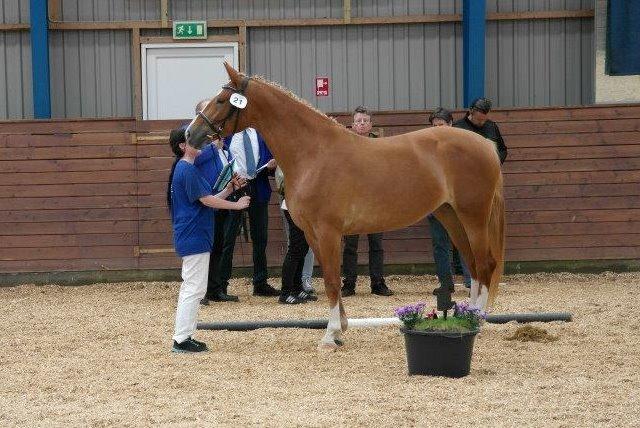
(410, 314)
(470, 312)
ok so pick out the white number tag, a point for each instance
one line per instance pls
(238, 100)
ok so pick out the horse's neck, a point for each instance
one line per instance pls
(294, 132)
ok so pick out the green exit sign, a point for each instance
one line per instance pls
(189, 29)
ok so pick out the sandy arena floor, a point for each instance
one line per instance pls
(100, 356)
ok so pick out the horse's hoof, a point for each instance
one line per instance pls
(338, 342)
(327, 347)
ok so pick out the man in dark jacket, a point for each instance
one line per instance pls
(477, 120)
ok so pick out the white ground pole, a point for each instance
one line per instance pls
(374, 322)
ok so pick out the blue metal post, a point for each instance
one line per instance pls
(40, 59)
(473, 34)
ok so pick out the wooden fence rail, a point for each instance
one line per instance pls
(89, 195)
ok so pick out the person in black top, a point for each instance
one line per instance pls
(477, 120)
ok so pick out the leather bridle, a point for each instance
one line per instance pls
(218, 128)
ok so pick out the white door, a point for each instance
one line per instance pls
(176, 76)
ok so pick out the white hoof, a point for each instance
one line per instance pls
(326, 348)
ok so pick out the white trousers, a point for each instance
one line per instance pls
(195, 269)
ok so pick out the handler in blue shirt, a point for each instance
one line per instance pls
(190, 198)
(212, 159)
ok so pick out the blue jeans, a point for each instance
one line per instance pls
(442, 254)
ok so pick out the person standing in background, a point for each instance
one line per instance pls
(254, 163)
(440, 240)
(362, 126)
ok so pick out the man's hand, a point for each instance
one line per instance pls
(238, 182)
(272, 164)
(235, 183)
(243, 202)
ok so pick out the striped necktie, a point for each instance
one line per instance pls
(248, 155)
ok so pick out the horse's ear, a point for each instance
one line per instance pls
(234, 76)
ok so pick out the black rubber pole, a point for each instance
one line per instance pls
(322, 323)
(529, 317)
(254, 325)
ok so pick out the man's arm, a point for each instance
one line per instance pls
(501, 146)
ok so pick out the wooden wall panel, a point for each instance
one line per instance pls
(90, 194)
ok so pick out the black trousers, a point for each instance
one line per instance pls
(294, 259)
(350, 260)
(258, 227)
(215, 283)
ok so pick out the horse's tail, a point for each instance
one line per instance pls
(496, 238)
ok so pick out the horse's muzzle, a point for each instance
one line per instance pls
(196, 137)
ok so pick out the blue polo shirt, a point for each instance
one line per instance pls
(208, 163)
(192, 221)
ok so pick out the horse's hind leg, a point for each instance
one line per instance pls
(485, 264)
(447, 216)
(326, 246)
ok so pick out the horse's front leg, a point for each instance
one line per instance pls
(327, 247)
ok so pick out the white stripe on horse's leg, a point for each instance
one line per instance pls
(333, 336)
(475, 290)
(484, 296)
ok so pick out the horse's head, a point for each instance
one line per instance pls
(220, 116)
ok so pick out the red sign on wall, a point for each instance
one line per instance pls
(322, 86)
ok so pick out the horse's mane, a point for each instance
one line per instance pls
(296, 98)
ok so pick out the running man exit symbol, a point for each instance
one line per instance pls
(322, 86)
(189, 29)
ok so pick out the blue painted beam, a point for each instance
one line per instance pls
(40, 59)
(473, 53)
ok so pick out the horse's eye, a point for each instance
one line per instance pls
(220, 101)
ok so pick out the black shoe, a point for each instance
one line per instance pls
(382, 291)
(438, 290)
(204, 302)
(307, 296)
(197, 342)
(188, 346)
(265, 290)
(224, 297)
(348, 291)
(290, 299)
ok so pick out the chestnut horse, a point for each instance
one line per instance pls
(339, 183)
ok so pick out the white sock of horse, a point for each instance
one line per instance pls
(475, 290)
(334, 329)
(483, 298)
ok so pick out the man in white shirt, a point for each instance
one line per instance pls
(253, 161)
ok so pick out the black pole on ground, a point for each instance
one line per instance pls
(529, 317)
(322, 323)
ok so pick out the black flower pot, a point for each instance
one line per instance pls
(439, 353)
